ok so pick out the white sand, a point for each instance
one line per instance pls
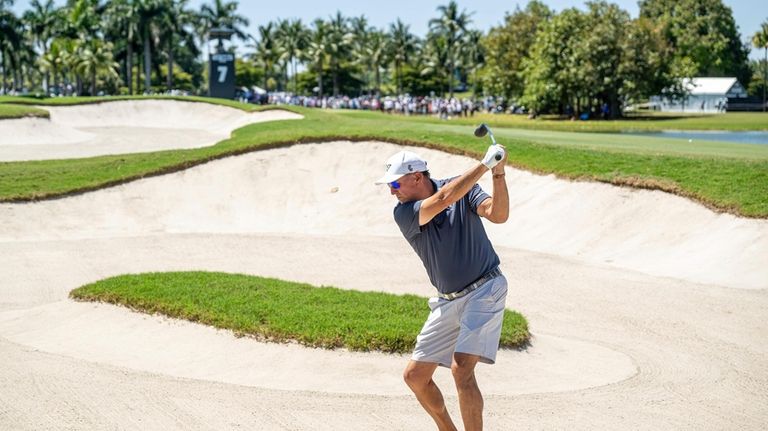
(120, 127)
(648, 231)
(648, 311)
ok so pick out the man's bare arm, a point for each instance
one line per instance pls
(450, 193)
(496, 208)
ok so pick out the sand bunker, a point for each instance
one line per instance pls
(120, 127)
(648, 311)
(307, 189)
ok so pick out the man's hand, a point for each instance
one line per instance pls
(496, 208)
(494, 155)
(498, 169)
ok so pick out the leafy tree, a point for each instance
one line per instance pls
(416, 83)
(644, 66)
(507, 46)
(553, 69)
(602, 51)
(703, 35)
(760, 40)
(247, 74)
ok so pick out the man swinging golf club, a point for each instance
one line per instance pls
(440, 219)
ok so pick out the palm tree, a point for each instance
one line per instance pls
(281, 27)
(362, 34)
(84, 24)
(339, 46)
(760, 40)
(123, 16)
(473, 53)
(52, 63)
(435, 56)
(96, 58)
(42, 20)
(67, 57)
(317, 51)
(176, 23)
(402, 47)
(375, 54)
(150, 13)
(452, 24)
(267, 51)
(84, 18)
(11, 41)
(223, 14)
(293, 38)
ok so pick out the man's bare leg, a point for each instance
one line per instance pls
(470, 398)
(418, 376)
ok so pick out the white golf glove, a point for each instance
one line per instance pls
(493, 156)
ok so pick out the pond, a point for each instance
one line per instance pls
(720, 136)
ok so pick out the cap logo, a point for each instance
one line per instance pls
(410, 167)
(389, 165)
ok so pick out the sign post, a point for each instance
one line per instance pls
(221, 66)
(221, 75)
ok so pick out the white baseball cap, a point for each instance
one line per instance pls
(402, 163)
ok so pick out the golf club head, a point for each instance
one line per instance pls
(481, 130)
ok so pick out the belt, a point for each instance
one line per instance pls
(473, 286)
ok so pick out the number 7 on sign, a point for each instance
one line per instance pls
(222, 73)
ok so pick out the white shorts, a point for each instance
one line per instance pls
(470, 324)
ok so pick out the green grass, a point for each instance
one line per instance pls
(17, 111)
(281, 311)
(726, 177)
(733, 121)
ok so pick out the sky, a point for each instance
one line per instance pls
(749, 14)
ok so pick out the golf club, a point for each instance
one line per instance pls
(483, 130)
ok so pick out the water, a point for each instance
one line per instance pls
(760, 138)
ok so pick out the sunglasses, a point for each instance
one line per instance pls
(394, 184)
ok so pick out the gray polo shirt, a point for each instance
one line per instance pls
(453, 246)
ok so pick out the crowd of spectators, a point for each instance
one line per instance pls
(403, 104)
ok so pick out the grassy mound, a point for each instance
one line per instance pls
(8, 112)
(280, 311)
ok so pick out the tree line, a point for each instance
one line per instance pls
(548, 61)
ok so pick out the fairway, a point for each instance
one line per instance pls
(622, 143)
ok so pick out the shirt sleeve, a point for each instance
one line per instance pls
(407, 218)
(476, 196)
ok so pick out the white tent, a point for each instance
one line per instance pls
(704, 95)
